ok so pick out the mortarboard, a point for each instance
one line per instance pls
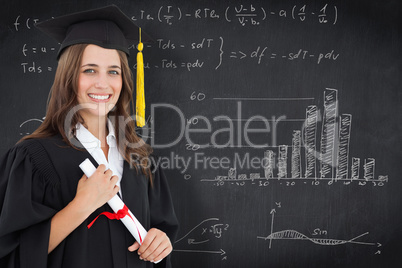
(107, 27)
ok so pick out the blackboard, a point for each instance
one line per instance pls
(277, 122)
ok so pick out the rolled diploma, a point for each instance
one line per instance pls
(134, 227)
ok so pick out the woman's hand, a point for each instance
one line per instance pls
(92, 193)
(95, 191)
(155, 247)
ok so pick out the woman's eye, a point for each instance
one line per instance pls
(114, 72)
(89, 71)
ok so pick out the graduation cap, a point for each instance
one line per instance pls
(107, 27)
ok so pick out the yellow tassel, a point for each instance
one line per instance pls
(140, 103)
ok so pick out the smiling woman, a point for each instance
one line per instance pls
(88, 117)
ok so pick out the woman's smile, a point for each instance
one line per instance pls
(99, 97)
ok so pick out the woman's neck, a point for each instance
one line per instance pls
(98, 128)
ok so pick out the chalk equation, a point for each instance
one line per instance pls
(253, 14)
(199, 238)
(259, 55)
(243, 15)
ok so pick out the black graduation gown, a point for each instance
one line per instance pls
(39, 177)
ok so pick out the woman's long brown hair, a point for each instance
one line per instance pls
(63, 100)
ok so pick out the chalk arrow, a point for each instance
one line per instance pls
(273, 211)
(221, 251)
(192, 242)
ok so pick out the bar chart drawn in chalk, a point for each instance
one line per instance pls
(202, 237)
(312, 158)
(317, 237)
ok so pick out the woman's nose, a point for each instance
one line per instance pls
(101, 81)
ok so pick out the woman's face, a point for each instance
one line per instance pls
(99, 81)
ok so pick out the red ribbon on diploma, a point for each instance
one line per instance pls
(117, 216)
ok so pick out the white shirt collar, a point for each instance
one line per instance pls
(89, 141)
